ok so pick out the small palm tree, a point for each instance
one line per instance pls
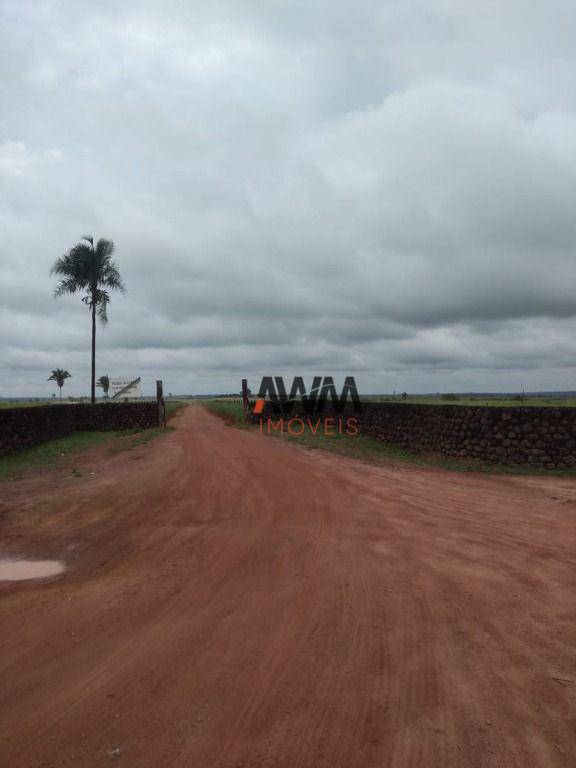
(89, 268)
(104, 384)
(59, 376)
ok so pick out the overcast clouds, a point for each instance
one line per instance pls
(371, 188)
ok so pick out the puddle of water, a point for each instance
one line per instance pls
(22, 570)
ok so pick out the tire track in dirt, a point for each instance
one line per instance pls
(234, 600)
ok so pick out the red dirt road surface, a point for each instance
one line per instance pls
(232, 601)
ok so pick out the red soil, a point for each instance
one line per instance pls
(232, 600)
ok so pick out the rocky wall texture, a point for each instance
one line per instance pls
(529, 436)
(22, 428)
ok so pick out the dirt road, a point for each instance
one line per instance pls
(234, 601)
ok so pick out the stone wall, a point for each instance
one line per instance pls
(538, 437)
(21, 428)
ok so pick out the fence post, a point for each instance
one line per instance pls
(160, 402)
(245, 403)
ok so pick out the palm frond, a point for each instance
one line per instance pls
(89, 268)
(59, 375)
(111, 279)
(71, 262)
(104, 249)
(74, 269)
(67, 285)
(102, 314)
(102, 301)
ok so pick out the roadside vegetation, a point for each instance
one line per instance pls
(448, 398)
(375, 451)
(57, 454)
(372, 450)
(89, 269)
(51, 454)
(173, 406)
(228, 410)
(26, 403)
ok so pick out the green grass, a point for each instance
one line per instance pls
(375, 451)
(26, 403)
(139, 438)
(54, 452)
(50, 454)
(222, 405)
(490, 402)
(173, 406)
(229, 411)
(357, 447)
(456, 399)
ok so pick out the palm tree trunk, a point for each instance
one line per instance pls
(60, 388)
(93, 391)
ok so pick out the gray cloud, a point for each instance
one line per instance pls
(378, 189)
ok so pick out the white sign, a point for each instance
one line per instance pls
(124, 388)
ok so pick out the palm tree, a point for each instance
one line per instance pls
(90, 269)
(104, 384)
(59, 376)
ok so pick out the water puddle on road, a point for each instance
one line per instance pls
(23, 570)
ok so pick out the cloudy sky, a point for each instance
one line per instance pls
(384, 189)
